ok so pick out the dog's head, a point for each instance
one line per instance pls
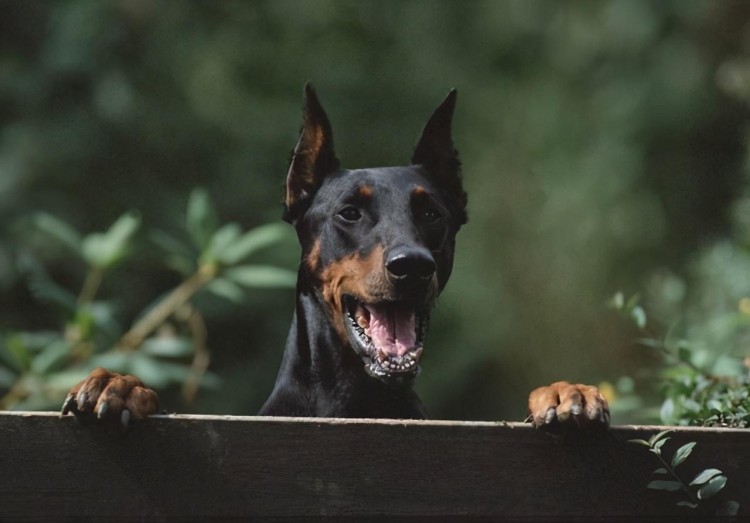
(377, 244)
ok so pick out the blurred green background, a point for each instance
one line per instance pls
(604, 149)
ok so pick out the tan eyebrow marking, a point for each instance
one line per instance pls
(365, 191)
(419, 191)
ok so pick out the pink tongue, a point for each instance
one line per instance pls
(392, 329)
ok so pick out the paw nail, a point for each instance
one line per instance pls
(67, 404)
(102, 410)
(550, 416)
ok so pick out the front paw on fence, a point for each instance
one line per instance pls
(107, 396)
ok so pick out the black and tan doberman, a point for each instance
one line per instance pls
(377, 249)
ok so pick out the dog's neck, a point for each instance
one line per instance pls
(321, 375)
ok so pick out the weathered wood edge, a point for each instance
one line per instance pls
(177, 466)
(677, 429)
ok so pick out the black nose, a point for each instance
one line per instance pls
(410, 263)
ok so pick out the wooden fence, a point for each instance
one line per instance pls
(179, 467)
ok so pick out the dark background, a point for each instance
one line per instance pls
(604, 148)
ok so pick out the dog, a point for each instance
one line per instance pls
(377, 249)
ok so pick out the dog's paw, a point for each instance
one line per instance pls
(107, 396)
(563, 406)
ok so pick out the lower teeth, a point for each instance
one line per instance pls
(382, 367)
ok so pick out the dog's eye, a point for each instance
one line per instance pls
(350, 214)
(430, 216)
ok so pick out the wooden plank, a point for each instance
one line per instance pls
(220, 466)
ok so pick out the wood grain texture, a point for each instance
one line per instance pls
(212, 466)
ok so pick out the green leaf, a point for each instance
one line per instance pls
(659, 439)
(253, 241)
(226, 289)
(117, 361)
(201, 220)
(261, 276)
(660, 484)
(666, 412)
(158, 373)
(222, 239)
(65, 379)
(52, 358)
(691, 405)
(640, 442)
(639, 316)
(59, 230)
(36, 341)
(728, 366)
(682, 453)
(661, 470)
(687, 504)
(617, 301)
(104, 250)
(123, 228)
(95, 250)
(712, 487)
(704, 476)
(150, 370)
(167, 346)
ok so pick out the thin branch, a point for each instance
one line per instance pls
(179, 296)
(677, 478)
(90, 285)
(201, 356)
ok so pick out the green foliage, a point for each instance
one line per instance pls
(705, 485)
(102, 251)
(597, 140)
(700, 388)
(167, 343)
(700, 321)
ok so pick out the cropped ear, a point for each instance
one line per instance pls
(436, 153)
(313, 157)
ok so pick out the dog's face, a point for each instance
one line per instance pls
(377, 243)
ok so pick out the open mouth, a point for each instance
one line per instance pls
(389, 336)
